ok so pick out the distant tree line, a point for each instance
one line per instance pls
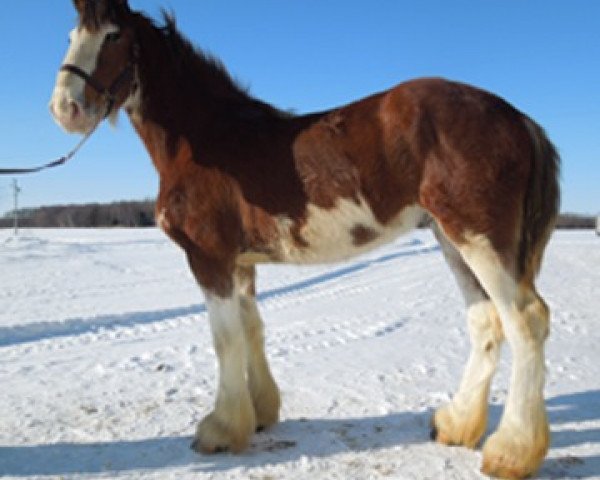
(573, 220)
(116, 214)
(141, 214)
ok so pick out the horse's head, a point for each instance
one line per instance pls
(98, 73)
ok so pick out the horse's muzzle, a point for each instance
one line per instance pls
(70, 113)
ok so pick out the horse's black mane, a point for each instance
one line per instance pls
(190, 60)
(175, 71)
(188, 63)
(193, 72)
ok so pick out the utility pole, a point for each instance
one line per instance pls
(16, 191)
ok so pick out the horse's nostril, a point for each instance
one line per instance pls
(75, 109)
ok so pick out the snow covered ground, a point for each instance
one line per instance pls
(106, 361)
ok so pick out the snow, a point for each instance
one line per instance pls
(106, 362)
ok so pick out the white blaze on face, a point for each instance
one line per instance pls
(68, 103)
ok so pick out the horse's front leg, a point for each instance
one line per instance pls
(263, 389)
(232, 422)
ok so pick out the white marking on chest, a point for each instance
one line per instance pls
(133, 103)
(162, 221)
(330, 234)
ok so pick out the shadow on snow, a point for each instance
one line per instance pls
(78, 326)
(293, 439)
(287, 442)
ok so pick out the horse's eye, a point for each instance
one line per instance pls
(113, 36)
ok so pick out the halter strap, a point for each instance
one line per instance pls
(87, 78)
(108, 93)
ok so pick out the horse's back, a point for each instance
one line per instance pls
(462, 154)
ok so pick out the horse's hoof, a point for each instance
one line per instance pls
(215, 435)
(507, 455)
(197, 447)
(450, 428)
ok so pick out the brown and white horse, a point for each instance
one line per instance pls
(243, 183)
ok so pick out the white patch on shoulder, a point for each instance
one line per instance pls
(328, 234)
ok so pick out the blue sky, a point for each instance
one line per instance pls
(543, 56)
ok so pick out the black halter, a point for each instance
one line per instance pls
(108, 94)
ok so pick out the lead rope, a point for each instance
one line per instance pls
(109, 96)
(54, 163)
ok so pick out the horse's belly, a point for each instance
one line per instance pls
(329, 235)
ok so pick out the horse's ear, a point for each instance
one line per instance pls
(79, 5)
(86, 5)
(120, 5)
(96, 11)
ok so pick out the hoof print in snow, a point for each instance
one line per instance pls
(276, 445)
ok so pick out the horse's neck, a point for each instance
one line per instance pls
(208, 120)
(193, 101)
(154, 138)
(164, 112)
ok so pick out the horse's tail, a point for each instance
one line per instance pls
(541, 203)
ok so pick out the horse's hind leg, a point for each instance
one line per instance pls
(463, 421)
(263, 389)
(520, 444)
